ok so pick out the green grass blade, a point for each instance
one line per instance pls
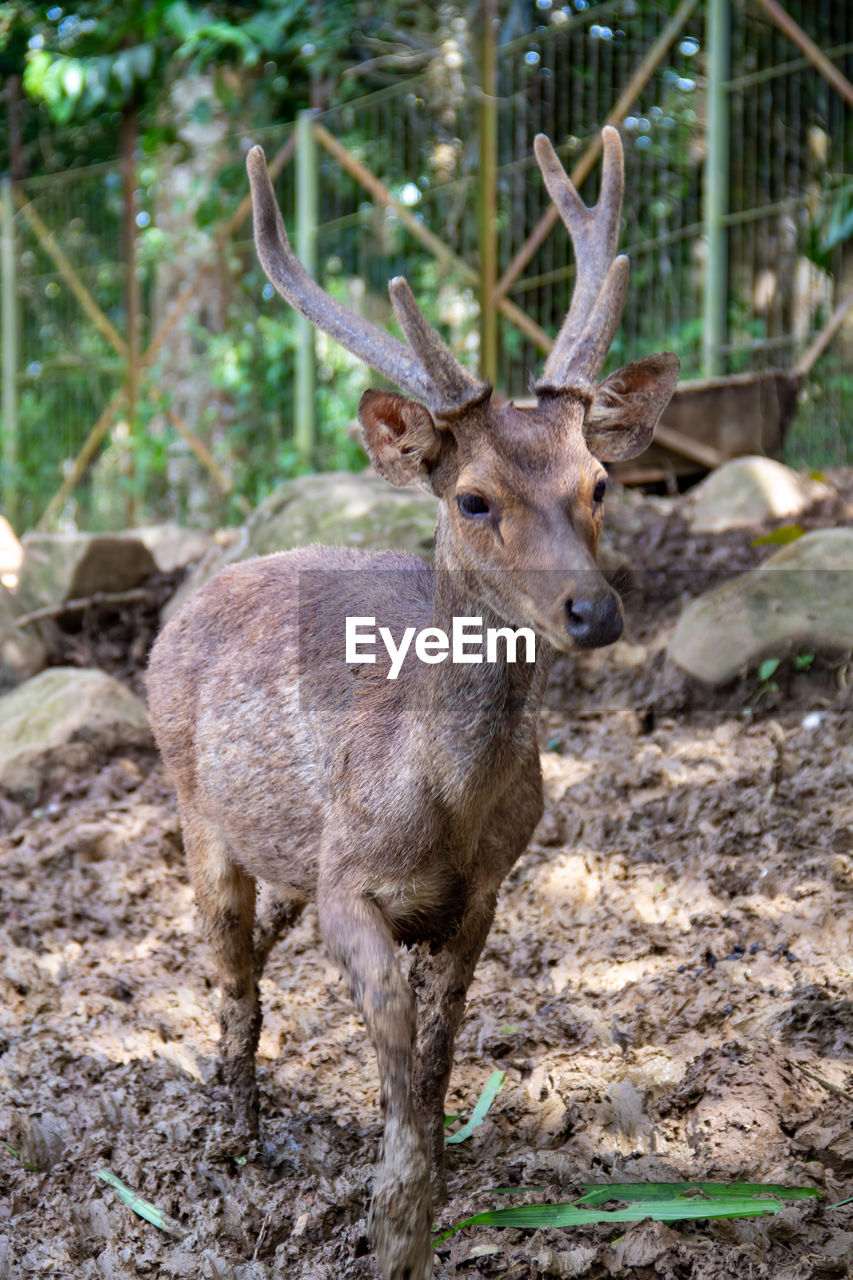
(494, 1084)
(571, 1215)
(142, 1207)
(12, 1152)
(638, 1191)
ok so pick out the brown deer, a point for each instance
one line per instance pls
(400, 805)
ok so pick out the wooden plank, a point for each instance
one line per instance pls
(687, 447)
(810, 357)
(810, 50)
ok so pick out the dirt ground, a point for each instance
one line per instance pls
(667, 986)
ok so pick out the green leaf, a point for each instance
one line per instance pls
(780, 537)
(597, 1194)
(680, 1209)
(142, 1207)
(803, 661)
(767, 668)
(494, 1084)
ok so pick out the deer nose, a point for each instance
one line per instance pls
(593, 623)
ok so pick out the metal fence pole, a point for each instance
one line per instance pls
(716, 188)
(306, 249)
(9, 425)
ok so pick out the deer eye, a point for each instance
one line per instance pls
(599, 491)
(471, 504)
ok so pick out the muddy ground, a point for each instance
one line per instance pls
(668, 988)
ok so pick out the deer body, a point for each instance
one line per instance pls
(400, 805)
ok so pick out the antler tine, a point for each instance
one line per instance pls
(456, 388)
(428, 370)
(601, 277)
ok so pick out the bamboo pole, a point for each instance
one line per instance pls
(10, 357)
(807, 46)
(84, 457)
(305, 412)
(132, 304)
(175, 314)
(383, 196)
(584, 166)
(75, 284)
(715, 189)
(488, 193)
(427, 238)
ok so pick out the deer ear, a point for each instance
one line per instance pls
(622, 418)
(400, 436)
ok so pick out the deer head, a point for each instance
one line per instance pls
(521, 489)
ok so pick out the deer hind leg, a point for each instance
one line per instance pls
(225, 896)
(360, 941)
(441, 983)
(275, 915)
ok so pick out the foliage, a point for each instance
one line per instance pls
(143, 1208)
(661, 1202)
(492, 1088)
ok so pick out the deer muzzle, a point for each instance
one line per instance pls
(593, 622)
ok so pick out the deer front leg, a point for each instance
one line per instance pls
(360, 941)
(440, 983)
(225, 897)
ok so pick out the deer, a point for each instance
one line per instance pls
(399, 806)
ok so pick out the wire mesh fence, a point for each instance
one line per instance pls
(223, 384)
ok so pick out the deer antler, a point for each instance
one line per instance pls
(602, 277)
(426, 368)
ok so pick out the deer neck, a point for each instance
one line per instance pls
(493, 706)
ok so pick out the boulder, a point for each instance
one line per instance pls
(799, 601)
(748, 491)
(336, 508)
(22, 653)
(11, 551)
(70, 566)
(172, 546)
(65, 719)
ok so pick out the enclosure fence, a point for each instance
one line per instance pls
(128, 374)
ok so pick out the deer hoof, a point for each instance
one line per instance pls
(400, 1213)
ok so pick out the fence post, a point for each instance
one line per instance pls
(9, 450)
(716, 188)
(487, 195)
(306, 249)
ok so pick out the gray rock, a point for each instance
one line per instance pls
(64, 719)
(11, 552)
(70, 566)
(22, 653)
(799, 601)
(338, 508)
(172, 546)
(747, 491)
